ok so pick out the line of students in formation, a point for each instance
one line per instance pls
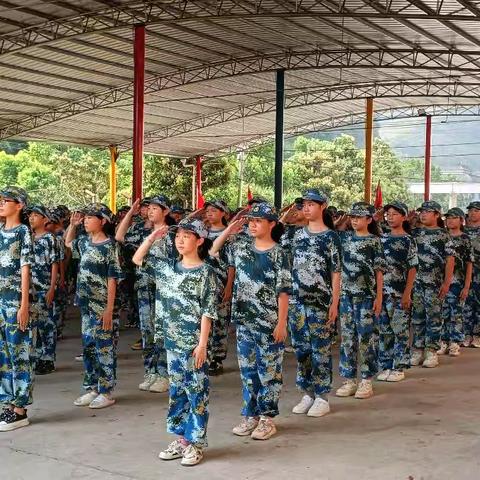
(402, 296)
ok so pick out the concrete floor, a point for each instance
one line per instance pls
(427, 427)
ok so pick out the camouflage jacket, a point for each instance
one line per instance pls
(474, 234)
(45, 254)
(463, 253)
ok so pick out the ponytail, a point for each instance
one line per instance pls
(374, 229)
(277, 231)
(328, 219)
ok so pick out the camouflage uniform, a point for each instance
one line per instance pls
(434, 246)
(98, 263)
(394, 322)
(260, 277)
(362, 258)
(471, 314)
(183, 297)
(16, 382)
(43, 320)
(61, 295)
(315, 257)
(452, 313)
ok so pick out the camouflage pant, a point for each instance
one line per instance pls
(154, 354)
(45, 329)
(99, 354)
(16, 374)
(128, 298)
(188, 398)
(60, 308)
(260, 361)
(394, 335)
(312, 342)
(219, 337)
(452, 316)
(426, 318)
(471, 312)
(359, 337)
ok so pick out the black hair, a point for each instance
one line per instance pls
(328, 219)
(277, 231)
(204, 248)
(224, 221)
(373, 228)
(440, 222)
(407, 227)
(169, 220)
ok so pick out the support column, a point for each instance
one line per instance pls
(138, 110)
(279, 118)
(113, 178)
(428, 158)
(368, 150)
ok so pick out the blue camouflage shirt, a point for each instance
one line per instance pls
(400, 256)
(45, 254)
(315, 257)
(16, 251)
(474, 234)
(362, 258)
(463, 253)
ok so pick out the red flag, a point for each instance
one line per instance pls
(200, 198)
(378, 197)
(249, 194)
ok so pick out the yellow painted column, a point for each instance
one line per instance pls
(368, 150)
(113, 177)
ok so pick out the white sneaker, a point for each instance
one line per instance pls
(443, 348)
(265, 429)
(148, 380)
(364, 390)
(454, 349)
(431, 359)
(468, 341)
(396, 376)
(289, 349)
(160, 385)
(245, 427)
(475, 341)
(416, 357)
(383, 376)
(86, 399)
(173, 451)
(348, 388)
(192, 455)
(304, 406)
(79, 358)
(319, 408)
(102, 401)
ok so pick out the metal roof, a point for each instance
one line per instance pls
(66, 67)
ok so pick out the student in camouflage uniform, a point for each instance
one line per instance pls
(361, 301)
(16, 382)
(452, 331)
(394, 323)
(316, 269)
(154, 353)
(44, 271)
(98, 274)
(434, 275)
(471, 312)
(186, 305)
(260, 308)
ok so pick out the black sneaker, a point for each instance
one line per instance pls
(215, 368)
(48, 367)
(12, 420)
(4, 413)
(40, 368)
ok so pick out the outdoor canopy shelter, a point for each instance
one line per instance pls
(196, 77)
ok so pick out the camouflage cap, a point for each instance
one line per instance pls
(160, 200)
(194, 225)
(177, 209)
(362, 209)
(315, 195)
(220, 204)
(99, 210)
(54, 215)
(455, 212)
(145, 201)
(256, 200)
(41, 210)
(15, 193)
(263, 210)
(475, 204)
(398, 206)
(430, 206)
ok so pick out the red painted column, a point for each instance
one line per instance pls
(138, 109)
(428, 157)
(199, 196)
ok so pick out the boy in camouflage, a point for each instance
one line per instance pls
(394, 322)
(471, 323)
(16, 383)
(185, 306)
(452, 331)
(316, 269)
(98, 273)
(44, 279)
(260, 307)
(432, 283)
(360, 302)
